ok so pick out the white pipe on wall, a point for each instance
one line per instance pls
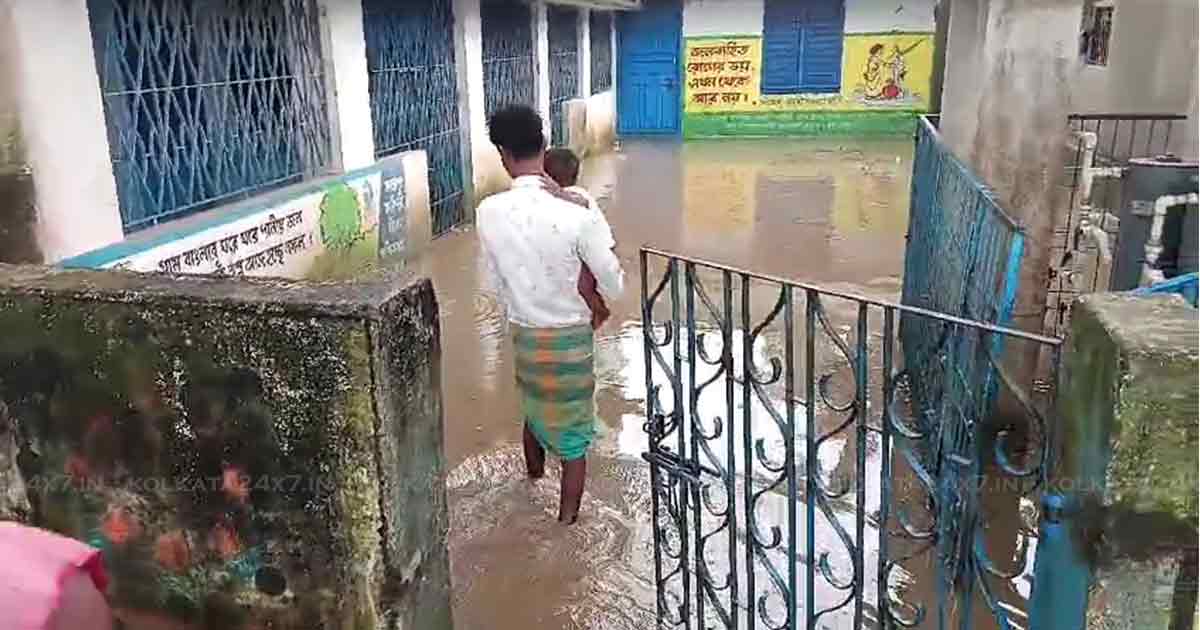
(1151, 275)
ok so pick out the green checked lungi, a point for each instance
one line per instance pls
(556, 381)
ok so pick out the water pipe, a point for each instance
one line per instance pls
(1150, 273)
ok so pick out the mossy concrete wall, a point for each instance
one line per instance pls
(247, 453)
(1129, 455)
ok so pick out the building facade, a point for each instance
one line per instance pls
(784, 67)
(267, 137)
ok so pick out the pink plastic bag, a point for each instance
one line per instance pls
(48, 581)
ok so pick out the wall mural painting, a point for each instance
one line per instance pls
(321, 234)
(349, 231)
(883, 77)
(879, 71)
(341, 217)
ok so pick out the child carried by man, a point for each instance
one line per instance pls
(562, 166)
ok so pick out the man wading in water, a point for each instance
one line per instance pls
(536, 239)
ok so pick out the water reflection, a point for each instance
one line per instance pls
(826, 212)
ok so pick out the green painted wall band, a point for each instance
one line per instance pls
(798, 124)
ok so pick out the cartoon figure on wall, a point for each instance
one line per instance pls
(884, 74)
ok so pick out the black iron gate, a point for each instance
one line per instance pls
(798, 483)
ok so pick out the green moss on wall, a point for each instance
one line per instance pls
(354, 261)
(220, 451)
(1130, 444)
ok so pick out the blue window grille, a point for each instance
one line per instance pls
(208, 102)
(509, 57)
(564, 67)
(802, 46)
(414, 94)
(600, 25)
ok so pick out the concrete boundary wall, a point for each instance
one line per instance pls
(1118, 544)
(246, 453)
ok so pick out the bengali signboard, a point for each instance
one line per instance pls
(393, 211)
(282, 239)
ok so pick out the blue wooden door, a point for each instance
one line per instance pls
(648, 83)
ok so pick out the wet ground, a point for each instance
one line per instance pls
(832, 212)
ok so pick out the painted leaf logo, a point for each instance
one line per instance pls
(341, 222)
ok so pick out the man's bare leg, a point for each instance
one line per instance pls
(574, 473)
(535, 455)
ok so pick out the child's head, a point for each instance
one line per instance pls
(562, 166)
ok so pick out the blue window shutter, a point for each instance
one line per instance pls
(781, 47)
(821, 46)
(802, 46)
(781, 61)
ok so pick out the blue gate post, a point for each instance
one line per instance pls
(1060, 573)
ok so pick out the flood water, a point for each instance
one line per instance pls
(830, 211)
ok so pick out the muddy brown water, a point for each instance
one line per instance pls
(832, 212)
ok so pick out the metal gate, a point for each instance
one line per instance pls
(563, 25)
(509, 59)
(414, 95)
(797, 483)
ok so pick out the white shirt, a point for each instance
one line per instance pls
(534, 245)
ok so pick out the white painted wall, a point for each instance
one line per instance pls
(881, 16)
(345, 53)
(722, 17)
(1151, 61)
(601, 122)
(62, 120)
(745, 17)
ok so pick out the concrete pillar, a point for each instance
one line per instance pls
(487, 174)
(615, 53)
(585, 52)
(348, 439)
(65, 139)
(541, 33)
(1125, 479)
(468, 63)
(345, 51)
(1004, 112)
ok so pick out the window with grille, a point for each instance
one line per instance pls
(1096, 32)
(509, 58)
(563, 23)
(600, 36)
(208, 102)
(802, 46)
(414, 94)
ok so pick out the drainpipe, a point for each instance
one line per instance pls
(1150, 273)
(1095, 224)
